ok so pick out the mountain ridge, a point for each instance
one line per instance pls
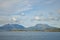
(38, 27)
(12, 27)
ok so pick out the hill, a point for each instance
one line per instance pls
(8, 27)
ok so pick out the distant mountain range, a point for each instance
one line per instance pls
(40, 27)
(10, 27)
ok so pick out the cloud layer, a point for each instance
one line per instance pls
(30, 12)
(8, 7)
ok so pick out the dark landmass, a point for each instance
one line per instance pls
(36, 28)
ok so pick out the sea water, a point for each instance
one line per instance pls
(29, 35)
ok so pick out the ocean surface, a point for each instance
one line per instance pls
(29, 35)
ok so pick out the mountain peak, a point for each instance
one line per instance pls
(12, 26)
(42, 25)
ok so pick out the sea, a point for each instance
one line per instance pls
(29, 35)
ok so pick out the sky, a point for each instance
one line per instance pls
(30, 12)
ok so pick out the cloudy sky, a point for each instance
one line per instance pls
(30, 12)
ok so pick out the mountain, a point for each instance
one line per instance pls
(40, 27)
(12, 27)
(37, 27)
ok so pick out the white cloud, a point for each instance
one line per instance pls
(46, 19)
(49, 1)
(14, 19)
(14, 6)
(37, 18)
(4, 20)
(18, 18)
(42, 2)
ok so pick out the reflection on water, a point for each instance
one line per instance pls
(29, 35)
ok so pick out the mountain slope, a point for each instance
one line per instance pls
(40, 27)
(11, 27)
(37, 27)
